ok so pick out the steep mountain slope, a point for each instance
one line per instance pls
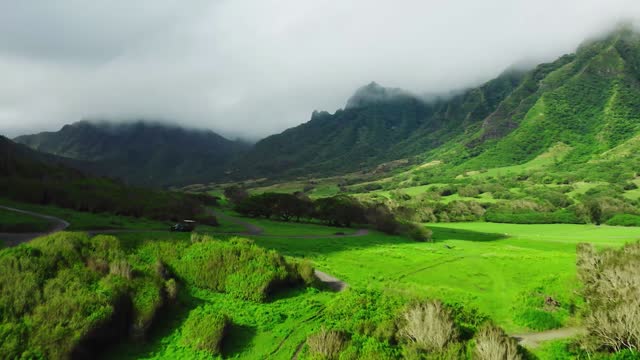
(20, 161)
(33, 177)
(141, 153)
(377, 125)
(589, 101)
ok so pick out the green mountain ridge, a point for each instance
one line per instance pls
(589, 101)
(141, 153)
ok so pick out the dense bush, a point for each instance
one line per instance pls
(237, 267)
(416, 232)
(101, 195)
(611, 289)
(205, 330)
(58, 296)
(457, 211)
(532, 217)
(326, 344)
(365, 312)
(429, 326)
(236, 194)
(493, 344)
(624, 220)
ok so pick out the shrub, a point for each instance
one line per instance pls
(429, 326)
(381, 218)
(235, 194)
(624, 220)
(502, 215)
(205, 330)
(416, 232)
(326, 344)
(365, 312)
(59, 300)
(611, 286)
(121, 268)
(237, 267)
(306, 271)
(469, 191)
(493, 344)
(171, 288)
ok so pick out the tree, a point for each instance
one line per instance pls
(236, 194)
(595, 211)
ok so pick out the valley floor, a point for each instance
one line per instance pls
(506, 271)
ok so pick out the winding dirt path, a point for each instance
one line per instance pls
(532, 340)
(13, 239)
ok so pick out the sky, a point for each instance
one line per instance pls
(251, 68)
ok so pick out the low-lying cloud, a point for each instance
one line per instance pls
(254, 67)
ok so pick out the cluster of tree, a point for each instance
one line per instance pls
(340, 210)
(33, 177)
(102, 195)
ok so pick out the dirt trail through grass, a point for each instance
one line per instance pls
(13, 239)
(251, 229)
(532, 340)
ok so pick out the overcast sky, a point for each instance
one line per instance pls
(256, 67)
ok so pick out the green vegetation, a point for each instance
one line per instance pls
(90, 221)
(205, 331)
(69, 294)
(63, 293)
(336, 211)
(11, 221)
(31, 177)
(611, 284)
(496, 268)
(141, 153)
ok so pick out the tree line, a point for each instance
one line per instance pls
(340, 211)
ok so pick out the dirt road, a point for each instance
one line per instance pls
(13, 239)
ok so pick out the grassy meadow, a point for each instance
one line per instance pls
(493, 267)
(504, 271)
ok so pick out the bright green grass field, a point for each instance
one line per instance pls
(11, 221)
(484, 265)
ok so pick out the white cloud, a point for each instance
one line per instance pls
(256, 67)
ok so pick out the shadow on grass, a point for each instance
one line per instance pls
(167, 321)
(237, 339)
(444, 233)
(287, 291)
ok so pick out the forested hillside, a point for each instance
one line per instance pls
(141, 153)
(29, 176)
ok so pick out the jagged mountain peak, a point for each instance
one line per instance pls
(374, 93)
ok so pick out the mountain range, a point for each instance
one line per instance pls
(589, 101)
(143, 153)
